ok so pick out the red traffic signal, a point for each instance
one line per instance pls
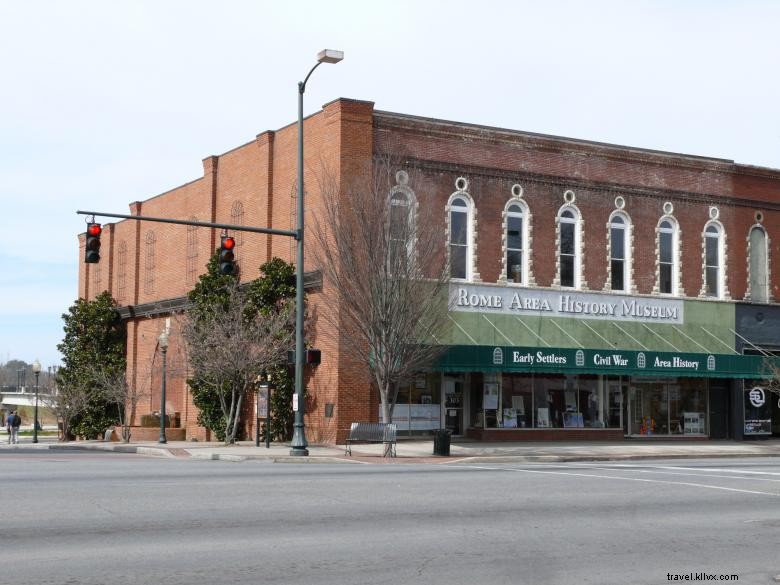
(227, 265)
(92, 245)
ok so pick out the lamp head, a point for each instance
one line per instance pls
(330, 56)
(36, 367)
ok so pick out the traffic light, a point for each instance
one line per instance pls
(227, 265)
(92, 248)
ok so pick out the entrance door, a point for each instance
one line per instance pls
(452, 405)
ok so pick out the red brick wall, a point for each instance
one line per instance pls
(340, 141)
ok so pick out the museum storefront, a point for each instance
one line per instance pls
(528, 364)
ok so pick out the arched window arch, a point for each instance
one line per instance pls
(758, 265)
(620, 257)
(569, 243)
(149, 246)
(402, 218)
(121, 281)
(237, 218)
(460, 232)
(667, 264)
(713, 260)
(192, 252)
(516, 246)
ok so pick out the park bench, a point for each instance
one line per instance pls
(362, 432)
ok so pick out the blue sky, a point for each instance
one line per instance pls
(105, 103)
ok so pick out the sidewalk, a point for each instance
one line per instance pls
(421, 451)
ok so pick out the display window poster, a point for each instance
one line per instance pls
(490, 396)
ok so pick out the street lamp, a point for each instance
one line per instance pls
(163, 341)
(36, 368)
(299, 434)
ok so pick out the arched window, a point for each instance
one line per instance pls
(192, 252)
(713, 260)
(568, 247)
(460, 238)
(619, 254)
(516, 239)
(149, 245)
(121, 281)
(667, 256)
(401, 223)
(758, 266)
(237, 218)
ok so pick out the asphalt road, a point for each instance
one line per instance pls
(98, 518)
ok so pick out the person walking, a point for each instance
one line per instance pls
(8, 427)
(15, 422)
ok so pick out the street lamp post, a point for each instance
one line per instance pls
(36, 368)
(163, 340)
(299, 434)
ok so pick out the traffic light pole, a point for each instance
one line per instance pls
(224, 226)
(299, 439)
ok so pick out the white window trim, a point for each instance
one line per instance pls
(402, 187)
(629, 286)
(676, 252)
(471, 245)
(722, 284)
(579, 280)
(526, 277)
(749, 295)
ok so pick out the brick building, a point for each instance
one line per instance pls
(599, 291)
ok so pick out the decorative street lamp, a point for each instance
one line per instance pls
(163, 340)
(299, 434)
(36, 368)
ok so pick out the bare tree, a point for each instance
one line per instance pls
(66, 401)
(384, 267)
(230, 343)
(117, 389)
(772, 379)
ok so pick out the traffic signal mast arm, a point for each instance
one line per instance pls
(225, 226)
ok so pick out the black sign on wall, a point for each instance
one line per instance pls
(758, 409)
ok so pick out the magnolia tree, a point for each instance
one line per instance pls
(385, 271)
(231, 342)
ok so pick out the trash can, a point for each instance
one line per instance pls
(441, 442)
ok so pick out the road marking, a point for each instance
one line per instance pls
(660, 470)
(595, 476)
(719, 470)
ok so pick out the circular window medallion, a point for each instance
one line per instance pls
(517, 190)
(668, 208)
(461, 184)
(620, 203)
(759, 216)
(714, 212)
(401, 178)
(569, 196)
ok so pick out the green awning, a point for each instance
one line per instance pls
(503, 358)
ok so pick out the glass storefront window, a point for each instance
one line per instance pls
(517, 400)
(418, 407)
(674, 406)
